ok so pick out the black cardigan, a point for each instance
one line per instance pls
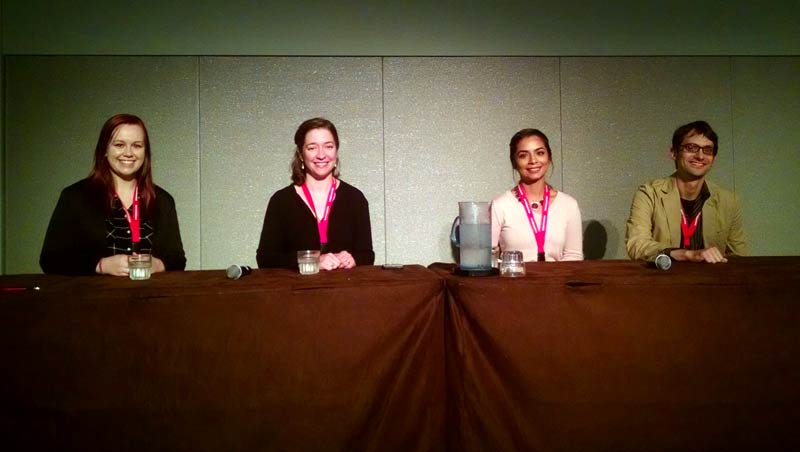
(290, 226)
(76, 236)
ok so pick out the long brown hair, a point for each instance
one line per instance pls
(298, 173)
(101, 173)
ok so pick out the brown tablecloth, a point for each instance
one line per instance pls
(346, 360)
(617, 356)
(601, 355)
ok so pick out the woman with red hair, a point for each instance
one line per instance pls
(115, 212)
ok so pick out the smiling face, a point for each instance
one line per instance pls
(694, 158)
(126, 151)
(531, 159)
(319, 153)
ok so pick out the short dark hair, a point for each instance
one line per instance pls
(525, 133)
(694, 128)
(298, 173)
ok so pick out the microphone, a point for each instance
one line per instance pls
(237, 271)
(663, 262)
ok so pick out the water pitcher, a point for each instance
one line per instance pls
(472, 235)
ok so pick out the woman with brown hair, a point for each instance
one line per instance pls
(318, 211)
(115, 212)
(534, 217)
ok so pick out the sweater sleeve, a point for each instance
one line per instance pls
(68, 248)
(169, 246)
(497, 222)
(362, 246)
(737, 243)
(573, 240)
(639, 241)
(271, 253)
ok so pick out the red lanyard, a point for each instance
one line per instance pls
(133, 221)
(322, 224)
(688, 230)
(538, 233)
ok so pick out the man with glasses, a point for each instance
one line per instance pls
(684, 216)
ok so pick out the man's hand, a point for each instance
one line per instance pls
(711, 255)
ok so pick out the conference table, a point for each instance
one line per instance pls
(594, 355)
(349, 360)
(621, 356)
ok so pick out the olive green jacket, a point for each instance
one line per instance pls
(655, 220)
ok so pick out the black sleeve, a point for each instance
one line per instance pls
(362, 238)
(168, 245)
(69, 246)
(271, 253)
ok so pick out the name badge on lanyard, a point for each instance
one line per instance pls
(688, 229)
(322, 223)
(133, 220)
(538, 232)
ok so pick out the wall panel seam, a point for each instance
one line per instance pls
(732, 117)
(383, 147)
(561, 126)
(199, 163)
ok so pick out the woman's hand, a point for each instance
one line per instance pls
(116, 265)
(332, 261)
(329, 261)
(346, 260)
(157, 265)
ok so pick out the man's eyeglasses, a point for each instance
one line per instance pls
(692, 148)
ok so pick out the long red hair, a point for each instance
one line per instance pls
(101, 173)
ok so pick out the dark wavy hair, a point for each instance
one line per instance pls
(298, 173)
(694, 128)
(101, 172)
(525, 133)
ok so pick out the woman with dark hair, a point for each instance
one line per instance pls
(317, 211)
(115, 212)
(534, 217)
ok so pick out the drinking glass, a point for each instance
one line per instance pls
(308, 262)
(140, 266)
(511, 264)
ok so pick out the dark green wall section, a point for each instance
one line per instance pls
(413, 27)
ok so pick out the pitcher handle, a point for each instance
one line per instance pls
(453, 239)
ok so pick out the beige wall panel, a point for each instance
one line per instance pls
(250, 110)
(618, 118)
(54, 111)
(448, 124)
(223, 150)
(766, 108)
